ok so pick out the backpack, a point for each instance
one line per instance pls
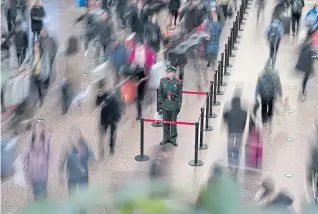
(297, 6)
(273, 35)
(311, 20)
(267, 86)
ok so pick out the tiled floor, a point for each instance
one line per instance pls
(280, 157)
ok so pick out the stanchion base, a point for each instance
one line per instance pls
(196, 163)
(238, 36)
(141, 158)
(227, 74)
(217, 103)
(229, 66)
(213, 115)
(220, 93)
(233, 55)
(208, 129)
(204, 147)
(243, 23)
(247, 8)
(241, 30)
(234, 49)
(157, 124)
(223, 84)
(236, 42)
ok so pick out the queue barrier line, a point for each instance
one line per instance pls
(194, 92)
(169, 122)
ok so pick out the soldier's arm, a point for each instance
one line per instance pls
(160, 96)
(180, 94)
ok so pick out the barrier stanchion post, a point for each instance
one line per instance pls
(215, 102)
(227, 56)
(207, 107)
(231, 44)
(196, 161)
(142, 156)
(223, 68)
(211, 114)
(202, 146)
(155, 124)
(233, 38)
(219, 92)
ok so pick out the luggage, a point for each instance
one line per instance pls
(129, 92)
(8, 147)
(81, 3)
(254, 149)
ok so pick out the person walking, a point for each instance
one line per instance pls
(235, 119)
(169, 103)
(11, 13)
(37, 15)
(274, 33)
(77, 159)
(296, 11)
(269, 88)
(214, 29)
(110, 116)
(174, 6)
(121, 6)
(21, 42)
(153, 34)
(48, 44)
(305, 64)
(37, 159)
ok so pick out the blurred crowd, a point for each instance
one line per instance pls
(134, 60)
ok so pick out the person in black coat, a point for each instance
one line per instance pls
(110, 116)
(12, 13)
(174, 6)
(21, 42)
(152, 34)
(121, 6)
(137, 19)
(37, 15)
(296, 11)
(305, 64)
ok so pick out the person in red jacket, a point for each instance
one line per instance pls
(141, 59)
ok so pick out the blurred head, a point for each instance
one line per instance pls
(38, 3)
(38, 130)
(154, 19)
(171, 74)
(104, 16)
(138, 42)
(18, 26)
(44, 32)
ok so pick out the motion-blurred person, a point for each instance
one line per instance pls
(224, 4)
(153, 34)
(305, 64)
(110, 116)
(274, 33)
(21, 41)
(214, 29)
(137, 18)
(37, 15)
(311, 19)
(91, 31)
(41, 68)
(141, 59)
(169, 103)
(296, 11)
(191, 14)
(121, 6)
(11, 13)
(158, 167)
(38, 156)
(269, 89)
(106, 34)
(119, 58)
(5, 45)
(281, 203)
(235, 119)
(265, 191)
(77, 159)
(174, 6)
(260, 8)
(48, 44)
(312, 168)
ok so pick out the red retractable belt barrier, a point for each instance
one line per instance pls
(169, 122)
(194, 92)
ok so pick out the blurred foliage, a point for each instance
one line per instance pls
(220, 196)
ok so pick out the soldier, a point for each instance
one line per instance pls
(169, 103)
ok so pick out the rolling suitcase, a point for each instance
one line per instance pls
(254, 150)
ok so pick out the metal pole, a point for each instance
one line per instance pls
(219, 92)
(215, 103)
(196, 162)
(223, 70)
(211, 114)
(207, 107)
(202, 145)
(141, 157)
